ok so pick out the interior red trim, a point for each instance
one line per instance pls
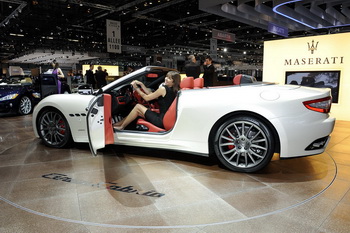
(109, 134)
(119, 98)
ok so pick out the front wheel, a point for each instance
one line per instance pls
(244, 144)
(53, 129)
(25, 106)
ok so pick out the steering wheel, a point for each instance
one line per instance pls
(138, 98)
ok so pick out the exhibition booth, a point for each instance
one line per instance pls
(316, 61)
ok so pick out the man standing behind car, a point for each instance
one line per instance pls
(209, 72)
(192, 69)
(100, 77)
(90, 77)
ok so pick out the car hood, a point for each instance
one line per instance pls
(8, 89)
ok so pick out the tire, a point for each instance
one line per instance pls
(25, 106)
(53, 129)
(244, 144)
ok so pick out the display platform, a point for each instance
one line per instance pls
(128, 189)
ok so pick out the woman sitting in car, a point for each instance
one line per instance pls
(166, 94)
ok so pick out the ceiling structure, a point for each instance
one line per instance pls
(164, 27)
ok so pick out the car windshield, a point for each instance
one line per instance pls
(152, 80)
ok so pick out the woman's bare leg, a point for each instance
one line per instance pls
(119, 123)
(138, 110)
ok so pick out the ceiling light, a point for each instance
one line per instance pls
(13, 34)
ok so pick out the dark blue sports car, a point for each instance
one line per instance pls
(18, 94)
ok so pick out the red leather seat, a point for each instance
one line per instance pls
(168, 120)
(198, 83)
(170, 116)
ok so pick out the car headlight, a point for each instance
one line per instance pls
(9, 97)
(36, 95)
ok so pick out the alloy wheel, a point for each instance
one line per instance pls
(244, 144)
(53, 129)
(25, 105)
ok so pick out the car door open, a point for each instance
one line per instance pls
(99, 123)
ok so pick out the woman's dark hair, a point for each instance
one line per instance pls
(56, 64)
(175, 76)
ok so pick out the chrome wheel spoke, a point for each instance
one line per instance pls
(259, 147)
(227, 138)
(229, 152)
(258, 141)
(227, 144)
(237, 159)
(255, 154)
(233, 155)
(230, 134)
(246, 159)
(251, 157)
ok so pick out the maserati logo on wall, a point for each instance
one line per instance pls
(312, 60)
(313, 46)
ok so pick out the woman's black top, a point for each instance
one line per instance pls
(164, 104)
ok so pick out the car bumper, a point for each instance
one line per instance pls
(304, 140)
(8, 105)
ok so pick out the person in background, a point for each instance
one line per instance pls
(128, 70)
(60, 76)
(90, 77)
(166, 94)
(209, 72)
(100, 76)
(192, 68)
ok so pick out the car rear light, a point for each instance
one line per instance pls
(319, 105)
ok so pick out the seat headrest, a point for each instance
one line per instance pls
(198, 83)
(187, 83)
(243, 78)
(237, 79)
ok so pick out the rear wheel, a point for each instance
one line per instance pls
(25, 105)
(244, 144)
(53, 129)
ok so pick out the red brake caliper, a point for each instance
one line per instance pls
(230, 147)
(62, 126)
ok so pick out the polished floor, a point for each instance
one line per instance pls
(128, 189)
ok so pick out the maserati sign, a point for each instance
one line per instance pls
(221, 35)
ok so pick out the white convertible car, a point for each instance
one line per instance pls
(243, 124)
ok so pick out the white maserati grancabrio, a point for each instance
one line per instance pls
(242, 124)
